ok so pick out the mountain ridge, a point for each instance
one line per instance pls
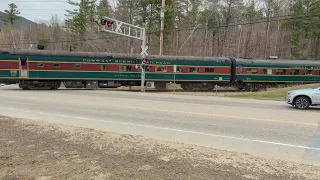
(18, 23)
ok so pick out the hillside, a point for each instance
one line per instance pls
(19, 23)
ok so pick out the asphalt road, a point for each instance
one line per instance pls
(265, 128)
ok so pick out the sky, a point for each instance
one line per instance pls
(36, 10)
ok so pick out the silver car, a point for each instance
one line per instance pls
(304, 98)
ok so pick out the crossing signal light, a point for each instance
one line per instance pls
(105, 22)
(144, 61)
(109, 23)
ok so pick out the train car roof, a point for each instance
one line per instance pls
(27, 52)
(284, 62)
(19, 52)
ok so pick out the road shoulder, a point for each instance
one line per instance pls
(41, 150)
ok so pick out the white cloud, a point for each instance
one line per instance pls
(36, 10)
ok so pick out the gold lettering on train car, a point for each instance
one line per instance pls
(13, 73)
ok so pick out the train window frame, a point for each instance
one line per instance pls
(283, 70)
(179, 69)
(250, 70)
(56, 65)
(309, 74)
(125, 69)
(195, 68)
(240, 67)
(161, 69)
(77, 65)
(267, 71)
(40, 65)
(206, 68)
(296, 70)
(148, 68)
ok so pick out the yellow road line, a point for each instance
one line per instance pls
(177, 111)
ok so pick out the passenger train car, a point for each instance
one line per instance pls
(45, 69)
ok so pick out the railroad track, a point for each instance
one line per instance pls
(178, 90)
(157, 91)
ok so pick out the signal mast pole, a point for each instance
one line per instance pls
(129, 30)
(143, 55)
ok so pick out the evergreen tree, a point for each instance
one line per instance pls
(81, 19)
(104, 9)
(11, 15)
(304, 27)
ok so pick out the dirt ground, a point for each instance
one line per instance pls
(33, 150)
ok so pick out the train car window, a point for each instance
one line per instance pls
(40, 65)
(56, 65)
(179, 69)
(125, 68)
(240, 67)
(294, 72)
(103, 67)
(208, 69)
(280, 72)
(316, 73)
(194, 70)
(307, 72)
(77, 65)
(148, 68)
(252, 71)
(161, 69)
(266, 71)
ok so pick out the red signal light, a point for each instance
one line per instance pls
(110, 23)
(103, 22)
(144, 61)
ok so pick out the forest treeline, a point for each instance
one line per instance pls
(233, 28)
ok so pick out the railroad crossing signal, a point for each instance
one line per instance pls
(105, 22)
(121, 28)
(128, 30)
(141, 65)
(144, 51)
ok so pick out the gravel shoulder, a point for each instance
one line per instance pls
(34, 150)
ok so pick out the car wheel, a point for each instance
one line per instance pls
(302, 102)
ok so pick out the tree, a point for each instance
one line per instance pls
(103, 9)
(11, 15)
(81, 19)
(251, 15)
(305, 28)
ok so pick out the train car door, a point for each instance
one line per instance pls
(24, 67)
(240, 69)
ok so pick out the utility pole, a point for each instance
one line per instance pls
(162, 26)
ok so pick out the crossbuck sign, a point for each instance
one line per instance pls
(114, 26)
